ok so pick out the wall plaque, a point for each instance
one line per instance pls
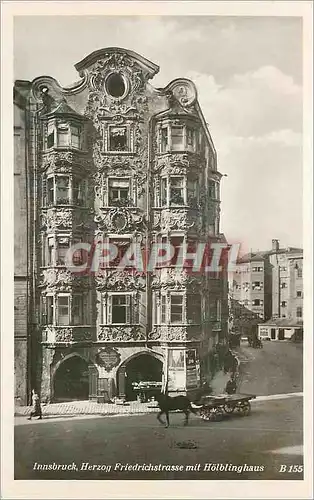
(108, 358)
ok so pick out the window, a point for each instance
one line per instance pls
(192, 187)
(51, 135)
(120, 313)
(50, 190)
(176, 191)
(118, 139)
(62, 190)
(163, 312)
(62, 248)
(78, 188)
(194, 309)
(63, 134)
(77, 309)
(283, 303)
(164, 141)
(50, 249)
(257, 285)
(283, 269)
(283, 285)
(177, 138)
(215, 310)
(115, 85)
(122, 246)
(299, 272)
(164, 191)
(257, 269)
(299, 312)
(213, 190)
(119, 192)
(76, 136)
(176, 243)
(63, 311)
(190, 139)
(299, 293)
(256, 302)
(176, 308)
(49, 309)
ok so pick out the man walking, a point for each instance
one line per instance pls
(36, 411)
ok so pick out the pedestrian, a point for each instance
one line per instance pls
(231, 385)
(36, 411)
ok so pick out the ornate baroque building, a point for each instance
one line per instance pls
(112, 159)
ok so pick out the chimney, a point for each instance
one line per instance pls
(275, 245)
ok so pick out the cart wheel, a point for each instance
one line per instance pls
(244, 408)
(205, 414)
(217, 414)
(229, 408)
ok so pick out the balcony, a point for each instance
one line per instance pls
(176, 333)
(121, 333)
(67, 334)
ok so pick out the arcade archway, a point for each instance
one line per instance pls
(141, 368)
(71, 382)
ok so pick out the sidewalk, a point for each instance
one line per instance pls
(89, 408)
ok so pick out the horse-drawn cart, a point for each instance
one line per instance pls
(214, 408)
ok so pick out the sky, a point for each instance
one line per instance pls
(248, 73)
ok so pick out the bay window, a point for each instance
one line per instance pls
(70, 310)
(63, 134)
(63, 190)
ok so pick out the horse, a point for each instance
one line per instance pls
(167, 403)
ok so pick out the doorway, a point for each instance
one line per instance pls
(273, 333)
(142, 368)
(71, 381)
(281, 334)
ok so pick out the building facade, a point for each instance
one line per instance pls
(267, 288)
(113, 162)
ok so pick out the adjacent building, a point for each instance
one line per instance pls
(267, 292)
(111, 160)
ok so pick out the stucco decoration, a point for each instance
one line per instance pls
(108, 358)
(120, 220)
(175, 333)
(178, 279)
(121, 333)
(65, 161)
(120, 280)
(66, 334)
(184, 91)
(63, 280)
